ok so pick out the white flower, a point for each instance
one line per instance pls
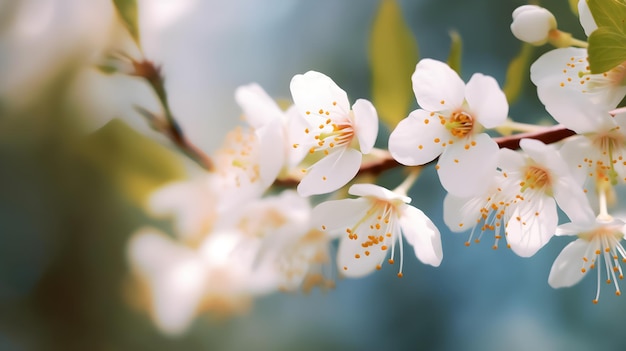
(340, 133)
(175, 277)
(598, 241)
(370, 226)
(193, 206)
(450, 124)
(261, 111)
(568, 69)
(532, 24)
(523, 198)
(247, 164)
(598, 153)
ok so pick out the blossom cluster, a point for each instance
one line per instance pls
(240, 231)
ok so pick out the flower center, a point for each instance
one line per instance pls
(608, 144)
(460, 124)
(535, 178)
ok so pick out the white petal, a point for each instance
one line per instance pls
(331, 173)
(366, 124)
(572, 200)
(531, 226)
(509, 160)
(566, 269)
(553, 62)
(574, 151)
(460, 213)
(422, 234)
(436, 86)
(272, 153)
(337, 215)
(413, 141)
(532, 24)
(465, 172)
(351, 266)
(544, 155)
(586, 19)
(258, 107)
(296, 124)
(486, 100)
(314, 91)
(376, 191)
(574, 228)
(568, 107)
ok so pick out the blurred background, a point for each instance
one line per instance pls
(72, 184)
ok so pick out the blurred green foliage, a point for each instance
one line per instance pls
(393, 56)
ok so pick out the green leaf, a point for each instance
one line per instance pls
(609, 13)
(517, 73)
(607, 49)
(573, 5)
(456, 48)
(607, 44)
(393, 56)
(136, 164)
(129, 14)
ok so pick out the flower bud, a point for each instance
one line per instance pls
(532, 24)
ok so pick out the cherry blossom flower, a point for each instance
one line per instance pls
(339, 134)
(597, 154)
(568, 69)
(261, 111)
(585, 17)
(532, 24)
(523, 196)
(598, 241)
(371, 225)
(450, 124)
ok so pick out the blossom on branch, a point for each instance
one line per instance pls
(334, 132)
(370, 226)
(532, 24)
(524, 197)
(450, 124)
(598, 241)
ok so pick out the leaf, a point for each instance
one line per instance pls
(136, 164)
(517, 73)
(609, 13)
(607, 49)
(127, 10)
(393, 56)
(456, 48)
(607, 44)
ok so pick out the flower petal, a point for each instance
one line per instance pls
(376, 191)
(351, 266)
(313, 92)
(422, 234)
(460, 213)
(486, 100)
(272, 151)
(258, 107)
(568, 107)
(566, 269)
(436, 86)
(366, 124)
(586, 18)
(531, 226)
(331, 172)
(412, 142)
(572, 200)
(337, 215)
(464, 170)
(552, 62)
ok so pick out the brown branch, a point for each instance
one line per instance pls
(548, 135)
